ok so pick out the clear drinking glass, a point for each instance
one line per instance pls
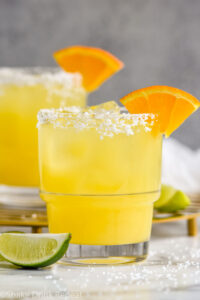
(100, 173)
(22, 93)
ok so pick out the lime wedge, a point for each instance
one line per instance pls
(16, 231)
(167, 192)
(33, 250)
(171, 200)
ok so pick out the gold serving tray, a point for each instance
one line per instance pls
(37, 218)
(34, 218)
(190, 215)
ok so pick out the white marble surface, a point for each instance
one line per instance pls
(172, 271)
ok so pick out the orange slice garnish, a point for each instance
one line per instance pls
(172, 105)
(95, 65)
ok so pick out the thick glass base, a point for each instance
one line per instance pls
(85, 255)
(20, 196)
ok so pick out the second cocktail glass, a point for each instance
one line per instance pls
(22, 93)
(100, 172)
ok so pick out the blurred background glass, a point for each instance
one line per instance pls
(157, 39)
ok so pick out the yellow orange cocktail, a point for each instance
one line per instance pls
(100, 172)
(22, 93)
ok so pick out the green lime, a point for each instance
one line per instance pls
(167, 192)
(11, 231)
(171, 200)
(33, 250)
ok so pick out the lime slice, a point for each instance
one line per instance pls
(16, 231)
(171, 200)
(33, 250)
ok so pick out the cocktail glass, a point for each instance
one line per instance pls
(22, 93)
(100, 173)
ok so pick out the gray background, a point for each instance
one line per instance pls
(159, 41)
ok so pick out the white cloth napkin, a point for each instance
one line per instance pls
(181, 166)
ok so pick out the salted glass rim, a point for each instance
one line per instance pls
(106, 122)
(34, 70)
(38, 74)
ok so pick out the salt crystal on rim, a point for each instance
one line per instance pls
(106, 122)
(35, 75)
(55, 81)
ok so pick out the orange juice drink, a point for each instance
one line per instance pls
(22, 93)
(100, 171)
